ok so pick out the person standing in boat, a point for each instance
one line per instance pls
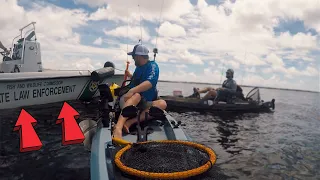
(229, 86)
(4, 48)
(143, 89)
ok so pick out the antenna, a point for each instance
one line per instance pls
(127, 31)
(245, 58)
(155, 50)
(159, 23)
(140, 25)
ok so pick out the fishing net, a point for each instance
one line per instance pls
(254, 95)
(168, 159)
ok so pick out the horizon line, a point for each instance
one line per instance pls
(242, 85)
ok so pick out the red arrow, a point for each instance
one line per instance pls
(71, 131)
(29, 140)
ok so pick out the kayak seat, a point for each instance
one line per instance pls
(156, 121)
(6, 58)
(239, 93)
(230, 97)
(156, 112)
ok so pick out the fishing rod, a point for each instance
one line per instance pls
(128, 63)
(222, 68)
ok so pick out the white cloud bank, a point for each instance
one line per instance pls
(231, 35)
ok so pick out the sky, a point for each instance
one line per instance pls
(267, 43)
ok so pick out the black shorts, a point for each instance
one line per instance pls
(142, 105)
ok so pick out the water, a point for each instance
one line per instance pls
(280, 145)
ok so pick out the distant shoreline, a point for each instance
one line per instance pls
(202, 83)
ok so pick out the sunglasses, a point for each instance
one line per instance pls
(134, 52)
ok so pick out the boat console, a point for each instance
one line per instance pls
(25, 56)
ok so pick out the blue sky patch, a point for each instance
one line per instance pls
(293, 27)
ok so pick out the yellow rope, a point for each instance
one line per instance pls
(175, 175)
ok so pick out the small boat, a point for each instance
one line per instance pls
(104, 150)
(23, 81)
(251, 103)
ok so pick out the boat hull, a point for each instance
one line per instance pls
(27, 89)
(193, 104)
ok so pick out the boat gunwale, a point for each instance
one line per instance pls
(43, 77)
(58, 76)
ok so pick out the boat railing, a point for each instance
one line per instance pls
(20, 35)
(12, 45)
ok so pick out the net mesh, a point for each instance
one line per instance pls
(164, 158)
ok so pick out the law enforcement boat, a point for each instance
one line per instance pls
(23, 81)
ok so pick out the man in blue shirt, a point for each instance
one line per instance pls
(143, 89)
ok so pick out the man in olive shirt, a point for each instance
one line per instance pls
(229, 87)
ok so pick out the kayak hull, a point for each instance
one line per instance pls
(103, 151)
(194, 104)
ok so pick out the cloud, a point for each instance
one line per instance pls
(98, 41)
(171, 30)
(186, 56)
(133, 33)
(57, 63)
(297, 41)
(121, 10)
(181, 66)
(274, 60)
(239, 35)
(211, 63)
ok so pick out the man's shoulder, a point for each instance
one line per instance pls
(153, 63)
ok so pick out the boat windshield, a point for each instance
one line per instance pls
(254, 95)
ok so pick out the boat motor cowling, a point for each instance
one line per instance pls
(106, 71)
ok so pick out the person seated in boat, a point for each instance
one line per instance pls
(229, 86)
(143, 89)
(4, 48)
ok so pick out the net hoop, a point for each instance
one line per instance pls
(174, 175)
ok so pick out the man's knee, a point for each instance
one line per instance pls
(213, 92)
(160, 104)
(136, 97)
(134, 100)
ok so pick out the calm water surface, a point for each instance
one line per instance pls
(280, 145)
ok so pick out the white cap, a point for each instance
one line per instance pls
(139, 50)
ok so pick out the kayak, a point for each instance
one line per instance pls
(104, 148)
(251, 103)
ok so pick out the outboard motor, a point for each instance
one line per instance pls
(90, 127)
